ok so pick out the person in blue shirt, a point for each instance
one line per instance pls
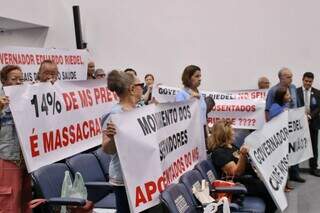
(281, 99)
(285, 80)
(191, 80)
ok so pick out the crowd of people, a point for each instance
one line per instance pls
(230, 158)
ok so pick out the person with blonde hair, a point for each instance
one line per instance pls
(233, 162)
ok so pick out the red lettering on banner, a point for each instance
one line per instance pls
(48, 141)
(174, 171)
(70, 101)
(258, 95)
(151, 188)
(103, 95)
(85, 97)
(73, 59)
(16, 59)
(140, 199)
(213, 120)
(234, 108)
(57, 143)
(65, 136)
(69, 135)
(58, 59)
(34, 145)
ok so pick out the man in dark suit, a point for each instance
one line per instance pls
(309, 97)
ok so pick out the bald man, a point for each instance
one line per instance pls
(285, 80)
(263, 83)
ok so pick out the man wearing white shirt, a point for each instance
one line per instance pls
(309, 97)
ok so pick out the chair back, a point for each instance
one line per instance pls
(177, 199)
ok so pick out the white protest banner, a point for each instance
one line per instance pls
(57, 121)
(72, 64)
(156, 144)
(268, 150)
(243, 108)
(300, 146)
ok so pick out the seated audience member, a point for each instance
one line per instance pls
(15, 182)
(232, 162)
(281, 99)
(48, 71)
(99, 74)
(124, 85)
(131, 71)
(90, 70)
(263, 83)
(147, 90)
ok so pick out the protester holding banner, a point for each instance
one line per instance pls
(232, 162)
(124, 85)
(48, 71)
(309, 97)
(285, 80)
(191, 79)
(281, 99)
(15, 184)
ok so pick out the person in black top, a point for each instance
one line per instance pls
(232, 162)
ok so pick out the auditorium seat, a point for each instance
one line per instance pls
(250, 204)
(98, 187)
(177, 199)
(104, 161)
(48, 181)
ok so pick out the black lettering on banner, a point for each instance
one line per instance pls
(153, 122)
(294, 126)
(279, 172)
(298, 144)
(69, 75)
(166, 91)
(172, 143)
(270, 145)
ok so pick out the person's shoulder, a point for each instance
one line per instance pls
(220, 151)
(182, 95)
(315, 90)
(292, 86)
(275, 106)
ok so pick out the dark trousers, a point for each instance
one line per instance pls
(257, 188)
(121, 199)
(294, 171)
(313, 162)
